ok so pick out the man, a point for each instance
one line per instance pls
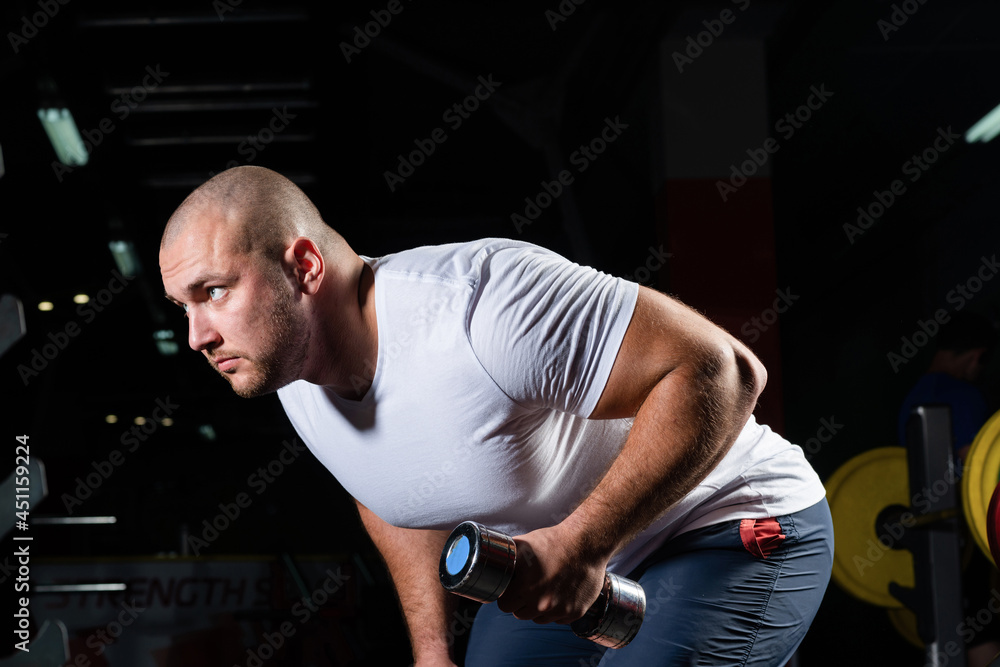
(604, 425)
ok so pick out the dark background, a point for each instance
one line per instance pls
(229, 67)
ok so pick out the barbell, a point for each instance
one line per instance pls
(979, 484)
(873, 510)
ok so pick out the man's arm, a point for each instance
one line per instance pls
(412, 557)
(691, 388)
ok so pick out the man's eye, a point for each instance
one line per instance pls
(216, 293)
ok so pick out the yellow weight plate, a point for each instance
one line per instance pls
(864, 564)
(979, 479)
(905, 622)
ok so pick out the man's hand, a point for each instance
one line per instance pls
(553, 582)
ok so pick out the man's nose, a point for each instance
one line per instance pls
(202, 335)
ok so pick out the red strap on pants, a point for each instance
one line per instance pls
(761, 536)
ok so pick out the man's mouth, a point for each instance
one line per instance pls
(226, 364)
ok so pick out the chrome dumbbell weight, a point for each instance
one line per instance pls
(478, 563)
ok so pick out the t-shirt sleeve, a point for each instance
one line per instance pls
(548, 330)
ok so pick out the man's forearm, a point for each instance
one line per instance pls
(685, 426)
(412, 558)
(690, 388)
(682, 428)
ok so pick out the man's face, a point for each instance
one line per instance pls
(242, 317)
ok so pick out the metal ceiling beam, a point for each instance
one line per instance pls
(198, 88)
(182, 106)
(206, 140)
(131, 21)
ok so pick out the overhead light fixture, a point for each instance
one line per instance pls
(81, 298)
(111, 419)
(2, 170)
(165, 342)
(45, 306)
(986, 128)
(65, 136)
(207, 432)
(126, 257)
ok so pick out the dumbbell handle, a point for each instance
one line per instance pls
(478, 563)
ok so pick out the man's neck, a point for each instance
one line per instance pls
(346, 337)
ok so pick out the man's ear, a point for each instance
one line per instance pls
(307, 264)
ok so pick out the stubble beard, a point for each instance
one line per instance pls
(282, 358)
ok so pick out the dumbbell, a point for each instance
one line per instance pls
(478, 563)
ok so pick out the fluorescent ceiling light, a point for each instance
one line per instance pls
(167, 348)
(986, 128)
(126, 257)
(165, 342)
(64, 135)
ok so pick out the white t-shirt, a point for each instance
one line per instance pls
(491, 354)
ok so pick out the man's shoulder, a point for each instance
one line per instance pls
(462, 261)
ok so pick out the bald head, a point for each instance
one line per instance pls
(262, 211)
